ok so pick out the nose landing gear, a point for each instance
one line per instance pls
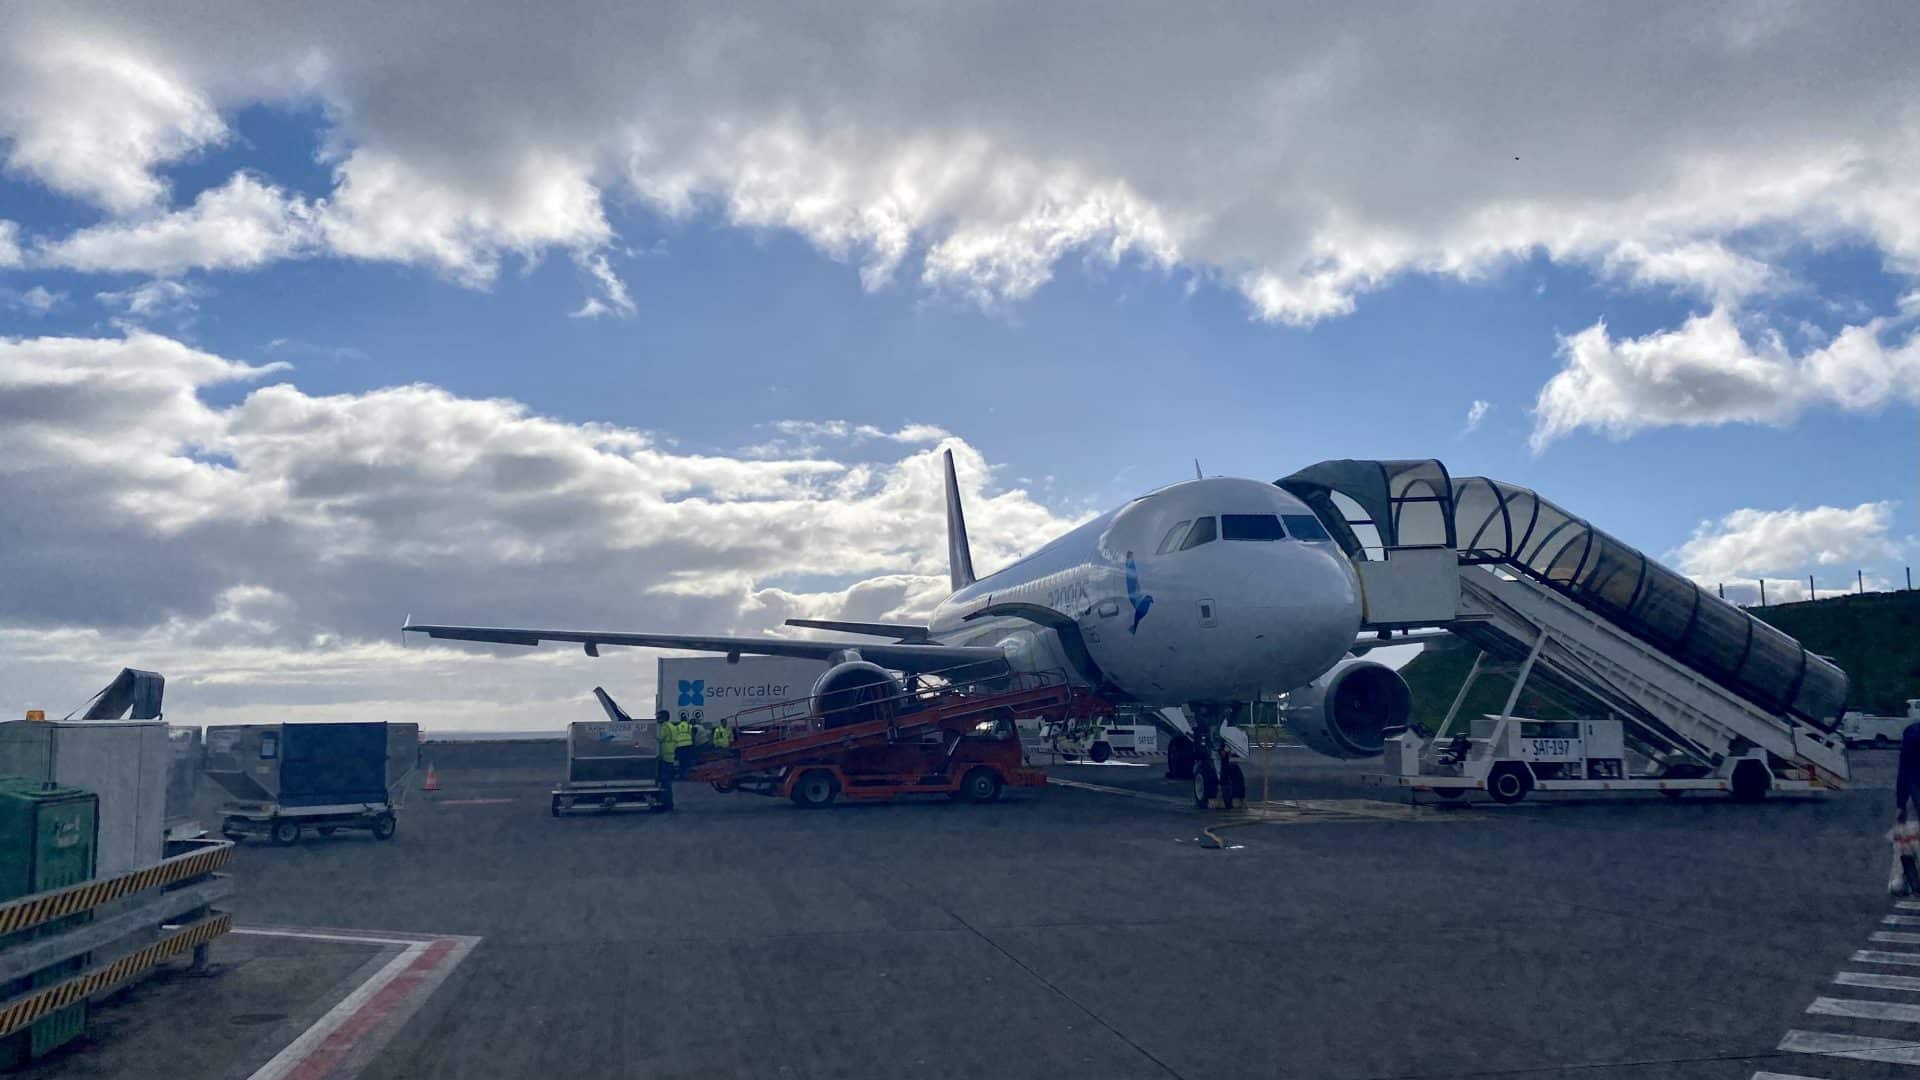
(1217, 778)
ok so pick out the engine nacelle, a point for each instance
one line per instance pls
(1347, 712)
(856, 691)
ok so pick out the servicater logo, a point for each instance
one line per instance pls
(693, 692)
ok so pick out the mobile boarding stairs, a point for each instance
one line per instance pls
(1708, 697)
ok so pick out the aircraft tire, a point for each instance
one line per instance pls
(1180, 758)
(1205, 788)
(1233, 786)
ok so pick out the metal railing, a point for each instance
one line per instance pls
(782, 719)
(151, 914)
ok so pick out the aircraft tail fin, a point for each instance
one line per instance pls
(959, 556)
(613, 709)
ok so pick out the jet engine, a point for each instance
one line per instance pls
(1348, 712)
(855, 692)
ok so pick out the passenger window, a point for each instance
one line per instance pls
(1174, 535)
(1201, 533)
(1306, 527)
(1250, 527)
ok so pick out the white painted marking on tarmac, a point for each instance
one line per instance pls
(295, 1055)
(1878, 981)
(1782, 1076)
(396, 990)
(314, 935)
(1898, 1011)
(1895, 937)
(1907, 905)
(1875, 956)
(1900, 920)
(1855, 1047)
(1106, 790)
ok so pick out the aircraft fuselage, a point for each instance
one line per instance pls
(1115, 602)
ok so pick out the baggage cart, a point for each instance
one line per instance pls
(612, 763)
(286, 778)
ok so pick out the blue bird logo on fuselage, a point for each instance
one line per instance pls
(1140, 601)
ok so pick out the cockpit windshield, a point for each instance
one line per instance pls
(1251, 527)
(1306, 527)
(1201, 533)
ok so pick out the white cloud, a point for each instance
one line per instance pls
(385, 207)
(92, 117)
(155, 299)
(263, 552)
(36, 301)
(1476, 412)
(1827, 541)
(244, 223)
(616, 301)
(1302, 157)
(809, 436)
(1706, 372)
(9, 244)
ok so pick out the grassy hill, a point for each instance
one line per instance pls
(1874, 638)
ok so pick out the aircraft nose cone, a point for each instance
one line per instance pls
(1314, 605)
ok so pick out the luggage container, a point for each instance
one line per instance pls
(288, 777)
(612, 763)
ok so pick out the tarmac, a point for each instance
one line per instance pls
(1083, 930)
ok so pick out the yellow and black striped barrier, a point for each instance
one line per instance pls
(31, 911)
(21, 1011)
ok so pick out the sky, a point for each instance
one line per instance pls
(657, 317)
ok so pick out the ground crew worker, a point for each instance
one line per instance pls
(683, 752)
(669, 742)
(722, 737)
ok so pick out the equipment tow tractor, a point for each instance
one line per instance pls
(934, 736)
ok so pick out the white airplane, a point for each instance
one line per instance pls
(1202, 595)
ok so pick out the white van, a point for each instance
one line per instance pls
(1861, 729)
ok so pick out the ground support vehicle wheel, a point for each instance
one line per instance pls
(1509, 782)
(815, 788)
(980, 785)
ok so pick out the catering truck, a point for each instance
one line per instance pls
(708, 690)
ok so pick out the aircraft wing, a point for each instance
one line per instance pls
(905, 633)
(909, 658)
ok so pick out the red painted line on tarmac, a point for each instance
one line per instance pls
(377, 1008)
(470, 802)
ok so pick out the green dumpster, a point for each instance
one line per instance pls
(47, 839)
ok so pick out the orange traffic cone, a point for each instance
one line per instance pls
(433, 779)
